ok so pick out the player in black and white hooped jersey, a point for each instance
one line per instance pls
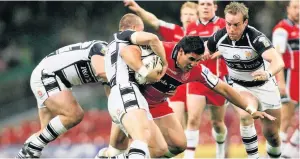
(51, 82)
(127, 106)
(252, 62)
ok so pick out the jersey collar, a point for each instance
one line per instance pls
(290, 22)
(214, 19)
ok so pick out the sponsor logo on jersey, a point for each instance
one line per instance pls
(265, 41)
(248, 54)
(40, 93)
(86, 75)
(236, 56)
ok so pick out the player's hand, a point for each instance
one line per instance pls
(260, 75)
(132, 5)
(206, 56)
(154, 76)
(262, 115)
(165, 67)
(170, 93)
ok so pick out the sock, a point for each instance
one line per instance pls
(220, 142)
(291, 148)
(50, 133)
(283, 138)
(249, 138)
(273, 152)
(168, 155)
(138, 150)
(295, 138)
(192, 137)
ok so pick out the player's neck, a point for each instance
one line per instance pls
(205, 20)
(293, 20)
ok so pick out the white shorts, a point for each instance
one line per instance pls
(268, 94)
(123, 98)
(44, 84)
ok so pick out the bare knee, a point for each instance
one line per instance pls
(272, 137)
(246, 119)
(194, 122)
(218, 125)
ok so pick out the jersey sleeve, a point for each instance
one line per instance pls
(207, 77)
(99, 48)
(166, 30)
(260, 43)
(125, 35)
(212, 43)
(279, 39)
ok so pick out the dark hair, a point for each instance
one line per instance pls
(191, 44)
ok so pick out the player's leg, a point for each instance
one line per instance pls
(219, 131)
(247, 127)
(134, 118)
(269, 101)
(271, 132)
(287, 110)
(118, 143)
(178, 103)
(59, 100)
(170, 128)
(291, 150)
(195, 102)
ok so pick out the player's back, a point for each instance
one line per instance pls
(117, 71)
(73, 62)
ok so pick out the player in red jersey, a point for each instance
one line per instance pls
(183, 67)
(168, 31)
(286, 41)
(192, 98)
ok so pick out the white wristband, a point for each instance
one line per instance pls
(143, 71)
(252, 110)
(269, 74)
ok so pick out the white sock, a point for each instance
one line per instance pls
(295, 138)
(50, 133)
(273, 152)
(111, 151)
(138, 150)
(192, 137)
(283, 138)
(249, 138)
(220, 142)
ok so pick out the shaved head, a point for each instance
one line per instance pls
(131, 21)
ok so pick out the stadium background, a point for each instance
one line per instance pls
(31, 30)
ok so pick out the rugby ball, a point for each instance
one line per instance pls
(151, 62)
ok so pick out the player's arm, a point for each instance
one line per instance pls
(279, 39)
(145, 38)
(146, 16)
(264, 47)
(131, 54)
(97, 53)
(212, 81)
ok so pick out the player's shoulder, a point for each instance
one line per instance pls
(253, 33)
(219, 34)
(283, 24)
(169, 45)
